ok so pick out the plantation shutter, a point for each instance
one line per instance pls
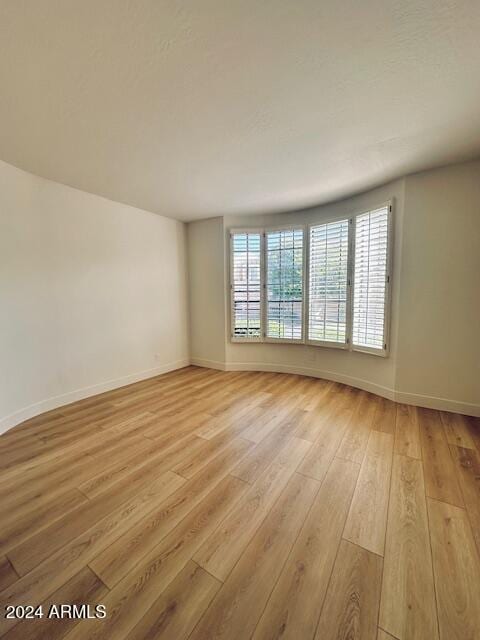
(370, 279)
(246, 284)
(284, 284)
(328, 276)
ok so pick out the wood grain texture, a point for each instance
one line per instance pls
(408, 609)
(140, 539)
(351, 605)
(385, 416)
(474, 429)
(8, 575)
(367, 519)
(85, 588)
(93, 517)
(440, 478)
(354, 442)
(328, 438)
(207, 451)
(131, 598)
(467, 462)
(264, 425)
(457, 430)
(261, 456)
(457, 572)
(112, 499)
(176, 612)
(317, 412)
(17, 526)
(407, 432)
(236, 609)
(222, 550)
(107, 479)
(58, 568)
(294, 607)
(313, 419)
(383, 635)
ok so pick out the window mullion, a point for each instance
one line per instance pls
(263, 287)
(330, 262)
(350, 284)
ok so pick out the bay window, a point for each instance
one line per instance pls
(327, 285)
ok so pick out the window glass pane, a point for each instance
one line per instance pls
(284, 284)
(328, 269)
(246, 288)
(370, 278)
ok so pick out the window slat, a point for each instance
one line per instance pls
(338, 314)
(370, 279)
(328, 265)
(284, 284)
(246, 284)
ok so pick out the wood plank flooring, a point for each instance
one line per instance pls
(203, 505)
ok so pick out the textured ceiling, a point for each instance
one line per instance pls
(200, 108)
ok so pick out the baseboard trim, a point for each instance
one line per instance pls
(359, 383)
(430, 402)
(209, 364)
(442, 404)
(418, 400)
(80, 394)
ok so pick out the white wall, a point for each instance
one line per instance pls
(93, 295)
(207, 291)
(439, 348)
(434, 350)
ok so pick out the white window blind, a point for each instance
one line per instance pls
(284, 284)
(246, 284)
(328, 276)
(370, 279)
(346, 293)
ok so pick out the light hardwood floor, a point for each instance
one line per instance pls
(209, 505)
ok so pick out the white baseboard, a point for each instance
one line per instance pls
(208, 364)
(79, 394)
(418, 400)
(431, 402)
(359, 383)
(442, 404)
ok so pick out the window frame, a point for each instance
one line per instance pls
(288, 227)
(385, 352)
(233, 337)
(306, 228)
(326, 343)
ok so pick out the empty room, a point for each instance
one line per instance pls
(239, 320)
